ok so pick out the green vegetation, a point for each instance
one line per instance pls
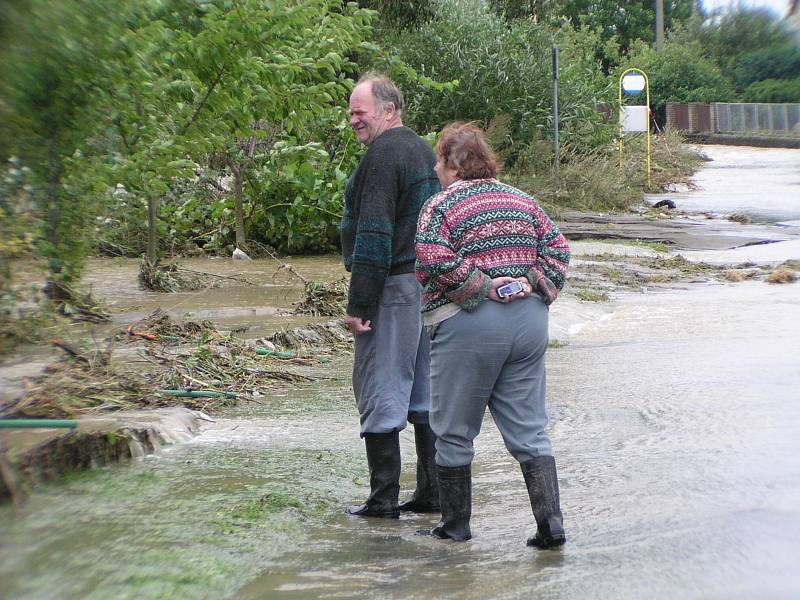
(659, 247)
(587, 295)
(595, 181)
(745, 54)
(619, 24)
(512, 98)
(183, 126)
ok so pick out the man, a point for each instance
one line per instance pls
(391, 366)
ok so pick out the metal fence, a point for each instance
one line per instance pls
(767, 118)
(725, 117)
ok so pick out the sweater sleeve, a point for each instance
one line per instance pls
(552, 250)
(372, 250)
(440, 266)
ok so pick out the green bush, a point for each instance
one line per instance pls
(504, 76)
(782, 62)
(773, 90)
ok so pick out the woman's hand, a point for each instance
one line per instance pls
(501, 281)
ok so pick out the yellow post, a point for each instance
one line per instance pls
(632, 91)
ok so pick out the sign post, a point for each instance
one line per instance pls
(555, 107)
(634, 118)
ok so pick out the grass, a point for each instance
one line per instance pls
(659, 247)
(595, 181)
(587, 295)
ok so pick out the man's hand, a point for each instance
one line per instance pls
(357, 325)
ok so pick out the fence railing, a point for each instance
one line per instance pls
(730, 117)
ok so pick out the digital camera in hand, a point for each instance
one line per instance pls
(509, 289)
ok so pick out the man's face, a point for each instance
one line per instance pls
(366, 118)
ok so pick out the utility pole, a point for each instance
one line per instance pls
(659, 25)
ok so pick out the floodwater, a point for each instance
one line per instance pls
(763, 183)
(675, 424)
(261, 308)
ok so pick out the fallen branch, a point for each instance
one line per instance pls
(231, 277)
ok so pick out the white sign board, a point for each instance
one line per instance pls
(633, 83)
(634, 118)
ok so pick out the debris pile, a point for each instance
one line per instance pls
(324, 299)
(187, 363)
(75, 305)
(171, 278)
(332, 334)
(83, 382)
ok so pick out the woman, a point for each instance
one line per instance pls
(487, 348)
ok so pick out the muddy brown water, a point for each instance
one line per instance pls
(674, 420)
(261, 308)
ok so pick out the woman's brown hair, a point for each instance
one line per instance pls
(463, 146)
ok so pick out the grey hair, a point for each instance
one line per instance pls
(384, 91)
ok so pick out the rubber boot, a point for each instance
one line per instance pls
(426, 496)
(542, 482)
(455, 497)
(383, 460)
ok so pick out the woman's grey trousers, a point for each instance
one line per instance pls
(493, 356)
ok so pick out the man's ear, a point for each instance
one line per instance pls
(390, 109)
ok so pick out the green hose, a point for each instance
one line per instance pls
(278, 353)
(37, 423)
(200, 394)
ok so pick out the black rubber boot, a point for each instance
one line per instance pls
(426, 496)
(383, 459)
(542, 482)
(455, 497)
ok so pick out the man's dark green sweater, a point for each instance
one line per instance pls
(382, 202)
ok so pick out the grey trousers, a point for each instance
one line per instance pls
(493, 356)
(391, 368)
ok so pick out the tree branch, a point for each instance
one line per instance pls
(202, 104)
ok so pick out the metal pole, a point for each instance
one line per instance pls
(659, 25)
(555, 108)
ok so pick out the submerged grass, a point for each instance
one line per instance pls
(200, 522)
(659, 247)
(587, 295)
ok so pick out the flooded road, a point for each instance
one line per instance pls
(675, 424)
(674, 420)
(763, 183)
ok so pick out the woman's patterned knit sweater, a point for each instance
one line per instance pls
(480, 229)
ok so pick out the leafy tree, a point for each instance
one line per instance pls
(624, 22)
(178, 92)
(773, 62)
(538, 10)
(725, 38)
(400, 14)
(513, 97)
(48, 74)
